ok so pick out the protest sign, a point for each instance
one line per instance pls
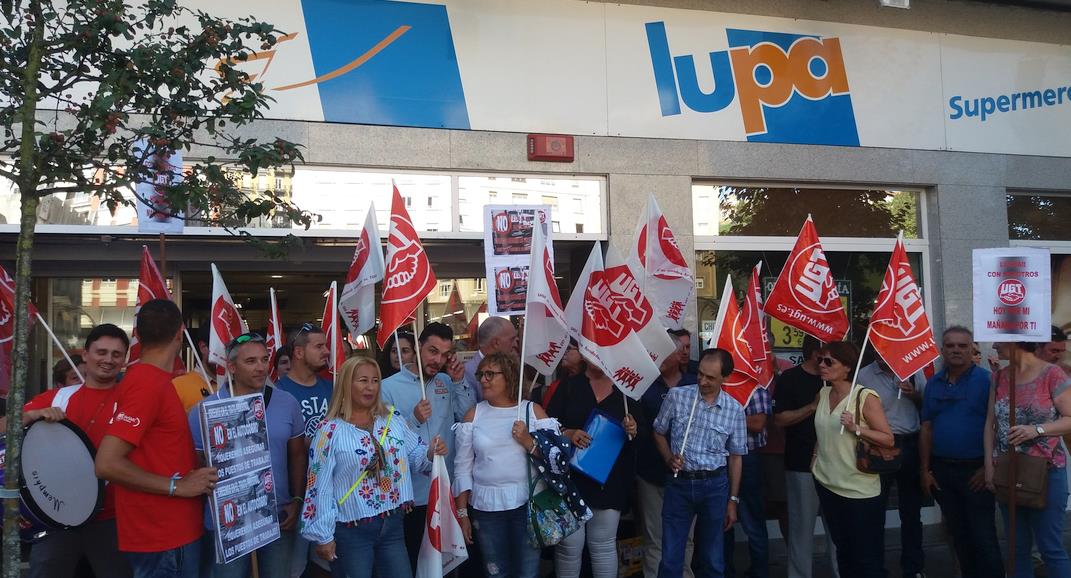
(1012, 294)
(507, 253)
(244, 512)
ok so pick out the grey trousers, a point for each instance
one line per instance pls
(57, 555)
(650, 499)
(802, 513)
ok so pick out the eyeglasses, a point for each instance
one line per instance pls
(307, 327)
(489, 375)
(826, 361)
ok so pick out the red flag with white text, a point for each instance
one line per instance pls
(408, 278)
(275, 339)
(332, 329)
(226, 323)
(627, 289)
(805, 295)
(151, 285)
(7, 327)
(729, 331)
(604, 326)
(899, 328)
(761, 364)
(659, 265)
(546, 338)
(443, 547)
(357, 303)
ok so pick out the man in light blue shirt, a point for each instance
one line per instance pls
(448, 398)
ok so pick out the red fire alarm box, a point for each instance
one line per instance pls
(555, 148)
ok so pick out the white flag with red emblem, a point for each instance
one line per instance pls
(604, 324)
(628, 289)
(546, 338)
(226, 323)
(275, 339)
(151, 285)
(658, 263)
(899, 328)
(7, 326)
(409, 278)
(805, 295)
(332, 329)
(358, 299)
(443, 547)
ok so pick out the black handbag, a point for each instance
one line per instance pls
(872, 459)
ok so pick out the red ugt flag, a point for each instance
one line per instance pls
(732, 333)
(899, 327)
(409, 278)
(7, 326)
(151, 285)
(805, 295)
(443, 547)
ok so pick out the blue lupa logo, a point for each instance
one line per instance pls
(791, 88)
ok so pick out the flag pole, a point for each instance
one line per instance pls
(646, 273)
(398, 347)
(858, 365)
(62, 349)
(688, 428)
(196, 356)
(520, 378)
(336, 337)
(419, 363)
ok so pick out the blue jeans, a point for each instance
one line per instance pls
(378, 543)
(752, 516)
(273, 561)
(1044, 528)
(705, 501)
(970, 516)
(181, 562)
(503, 539)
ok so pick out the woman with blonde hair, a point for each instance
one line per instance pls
(358, 481)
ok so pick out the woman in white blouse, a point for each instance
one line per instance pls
(359, 485)
(491, 470)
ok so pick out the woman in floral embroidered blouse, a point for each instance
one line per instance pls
(359, 484)
(1042, 407)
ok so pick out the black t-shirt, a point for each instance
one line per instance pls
(795, 389)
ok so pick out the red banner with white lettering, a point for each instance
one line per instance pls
(409, 278)
(899, 328)
(604, 326)
(805, 295)
(730, 334)
(151, 285)
(658, 263)
(226, 323)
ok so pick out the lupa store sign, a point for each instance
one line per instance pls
(656, 72)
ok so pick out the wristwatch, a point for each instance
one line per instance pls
(1040, 430)
(734, 499)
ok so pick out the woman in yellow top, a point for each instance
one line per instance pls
(852, 505)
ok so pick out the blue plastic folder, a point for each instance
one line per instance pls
(607, 439)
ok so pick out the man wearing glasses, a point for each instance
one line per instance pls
(434, 412)
(247, 360)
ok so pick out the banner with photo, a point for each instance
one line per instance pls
(244, 512)
(507, 253)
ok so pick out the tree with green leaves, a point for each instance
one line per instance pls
(95, 96)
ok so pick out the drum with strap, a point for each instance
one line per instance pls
(59, 487)
(30, 530)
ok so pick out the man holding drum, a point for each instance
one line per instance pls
(148, 452)
(89, 406)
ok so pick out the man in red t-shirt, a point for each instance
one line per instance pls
(148, 452)
(89, 406)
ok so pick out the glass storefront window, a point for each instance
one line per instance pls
(1034, 217)
(778, 211)
(858, 275)
(575, 204)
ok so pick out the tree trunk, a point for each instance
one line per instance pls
(27, 184)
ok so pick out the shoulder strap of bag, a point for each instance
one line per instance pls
(267, 395)
(859, 396)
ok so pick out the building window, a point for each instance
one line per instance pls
(480, 285)
(444, 289)
(1036, 217)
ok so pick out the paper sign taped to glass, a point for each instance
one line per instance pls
(507, 253)
(243, 507)
(607, 439)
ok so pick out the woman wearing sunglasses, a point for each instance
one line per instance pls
(851, 500)
(491, 470)
(358, 483)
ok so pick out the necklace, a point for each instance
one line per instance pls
(100, 406)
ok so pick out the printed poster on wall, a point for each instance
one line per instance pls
(1012, 294)
(244, 512)
(507, 247)
(155, 213)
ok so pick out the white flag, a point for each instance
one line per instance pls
(658, 263)
(604, 325)
(627, 289)
(545, 336)
(357, 302)
(226, 323)
(443, 546)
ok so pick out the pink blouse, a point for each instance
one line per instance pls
(1034, 405)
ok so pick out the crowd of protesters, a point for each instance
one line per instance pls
(351, 457)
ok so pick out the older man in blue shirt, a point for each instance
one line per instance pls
(706, 466)
(951, 454)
